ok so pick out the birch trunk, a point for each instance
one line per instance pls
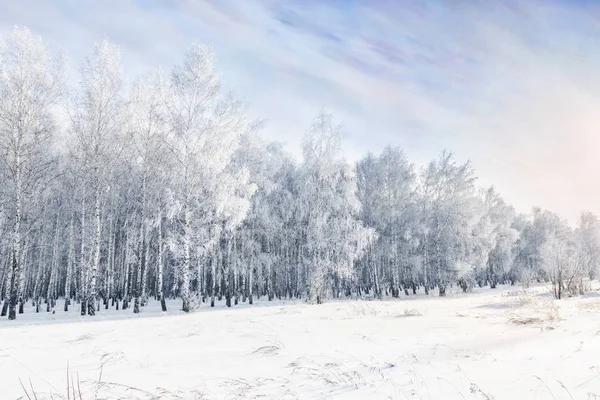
(250, 282)
(126, 275)
(69, 263)
(161, 295)
(51, 292)
(144, 279)
(22, 278)
(138, 272)
(16, 267)
(144, 253)
(9, 272)
(110, 267)
(185, 275)
(91, 299)
(83, 267)
(213, 275)
(227, 272)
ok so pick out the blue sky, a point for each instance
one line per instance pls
(511, 85)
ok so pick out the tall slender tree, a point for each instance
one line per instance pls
(334, 236)
(206, 126)
(97, 124)
(31, 84)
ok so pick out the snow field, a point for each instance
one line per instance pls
(491, 344)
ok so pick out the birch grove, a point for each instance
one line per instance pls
(31, 83)
(114, 194)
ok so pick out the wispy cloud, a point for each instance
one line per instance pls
(509, 84)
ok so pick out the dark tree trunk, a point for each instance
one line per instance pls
(91, 308)
(560, 284)
(442, 289)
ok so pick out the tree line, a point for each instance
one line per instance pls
(111, 195)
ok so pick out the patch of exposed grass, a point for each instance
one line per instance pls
(524, 320)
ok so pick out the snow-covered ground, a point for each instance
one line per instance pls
(500, 344)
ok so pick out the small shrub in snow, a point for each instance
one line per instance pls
(551, 311)
(363, 309)
(524, 320)
(411, 312)
(541, 311)
(526, 277)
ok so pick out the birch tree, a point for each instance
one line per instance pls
(206, 126)
(447, 190)
(587, 235)
(96, 127)
(329, 206)
(501, 255)
(386, 187)
(557, 255)
(148, 122)
(31, 84)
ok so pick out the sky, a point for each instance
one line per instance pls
(510, 85)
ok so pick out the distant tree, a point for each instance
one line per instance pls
(500, 255)
(588, 238)
(386, 189)
(448, 196)
(558, 255)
